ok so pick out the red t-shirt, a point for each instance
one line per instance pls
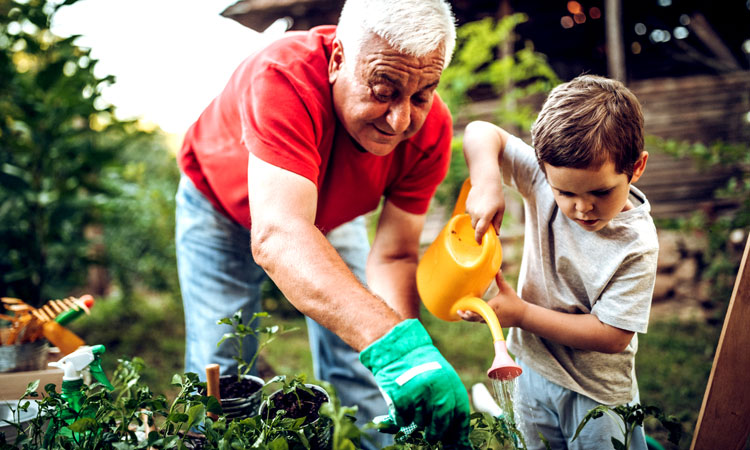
(278, 105)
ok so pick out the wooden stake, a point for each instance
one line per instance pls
(212, 384)
(724, 419)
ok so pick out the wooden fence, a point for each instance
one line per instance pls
(695, 109)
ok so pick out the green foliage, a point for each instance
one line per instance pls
(128, 328)
(346, 435)
(663, 355)
(628, 417)
(138, 220)
(50, 153)
(513, 80)
(264, 335)
(69, 167)
(722, 256)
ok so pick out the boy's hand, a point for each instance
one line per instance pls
(508, 306)
(486, 205)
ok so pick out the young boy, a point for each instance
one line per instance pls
(589, 259)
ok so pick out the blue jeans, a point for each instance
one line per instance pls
(554, 411)
(218, 276)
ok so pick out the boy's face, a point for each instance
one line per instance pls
(592, 197)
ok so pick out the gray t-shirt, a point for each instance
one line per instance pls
(608, 273)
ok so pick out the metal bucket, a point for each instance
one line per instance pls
(24, 357)
(239, 408)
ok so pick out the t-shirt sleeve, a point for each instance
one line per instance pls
(278, 125)
(414, 190)
(520, 167)
(626, 301)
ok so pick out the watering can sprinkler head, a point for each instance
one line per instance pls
(503, 367)
(454, 273)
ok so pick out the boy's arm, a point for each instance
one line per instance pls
(484, 144)
(581, 331)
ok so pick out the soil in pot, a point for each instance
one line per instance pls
(306, 406)
(302, 404)
(232, 387)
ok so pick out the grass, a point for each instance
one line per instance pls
(673, 365)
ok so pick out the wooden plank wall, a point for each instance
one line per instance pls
(697, 109)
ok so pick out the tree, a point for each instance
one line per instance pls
(61, 154)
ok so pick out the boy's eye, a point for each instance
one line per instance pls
(566, 194)
(602, 193)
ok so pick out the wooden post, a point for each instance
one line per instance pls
(212, 384)
(724, 419)
(615, 46)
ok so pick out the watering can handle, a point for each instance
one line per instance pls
(480, 307)
(460, 207)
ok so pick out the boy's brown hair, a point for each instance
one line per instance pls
(588, 121)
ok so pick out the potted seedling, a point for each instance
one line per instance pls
(630, 416)
(294, 411)
(240, 394)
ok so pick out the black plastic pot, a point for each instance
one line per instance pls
(239, 407)
(317, 429)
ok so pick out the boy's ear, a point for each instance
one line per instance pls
(639, 167)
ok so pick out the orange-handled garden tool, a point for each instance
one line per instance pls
(454, 273)
(52, 316)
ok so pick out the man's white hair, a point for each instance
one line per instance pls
(413, 27)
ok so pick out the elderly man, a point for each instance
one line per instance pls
(309, 134)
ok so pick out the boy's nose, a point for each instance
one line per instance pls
(583, 206)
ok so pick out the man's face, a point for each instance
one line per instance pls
(384, 96)
(592, 197)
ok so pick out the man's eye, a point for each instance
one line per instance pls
(382, 93)
(420, 99)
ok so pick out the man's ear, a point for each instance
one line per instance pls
(639, 167)
(336, 62)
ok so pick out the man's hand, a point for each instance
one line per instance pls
(419, 384)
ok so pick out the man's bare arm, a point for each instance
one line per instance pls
(303, 264)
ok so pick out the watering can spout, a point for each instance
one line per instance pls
(503, 367)
(454, 273)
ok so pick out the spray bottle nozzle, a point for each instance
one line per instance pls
(74, 363)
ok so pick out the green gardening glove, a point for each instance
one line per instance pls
(419, 384)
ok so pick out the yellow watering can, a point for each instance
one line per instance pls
(455, 272)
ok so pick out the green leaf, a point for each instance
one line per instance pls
(178, 417)
(83, 424)
(592, 414)
(196, 414)
(618, 445)
(213, 406)
(278, 444)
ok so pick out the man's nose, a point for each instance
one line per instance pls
(399, 116)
